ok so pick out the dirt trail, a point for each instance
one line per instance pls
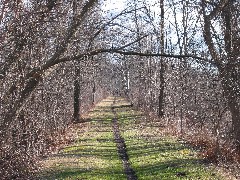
(121, 146)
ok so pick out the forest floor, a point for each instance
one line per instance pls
(117, 142)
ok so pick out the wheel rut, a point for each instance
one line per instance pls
(121, 146)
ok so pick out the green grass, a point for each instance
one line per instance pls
(93, 156)
(153, 156)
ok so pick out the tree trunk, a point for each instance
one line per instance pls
(162, 70)
(93, 93)
(227, 65)
(161, 93)
(232, 95)
(76, 114)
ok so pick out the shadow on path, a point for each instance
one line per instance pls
(117, 143)
(122, 150)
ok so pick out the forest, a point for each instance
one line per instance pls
(177, 61)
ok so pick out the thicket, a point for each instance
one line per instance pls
(178, 60)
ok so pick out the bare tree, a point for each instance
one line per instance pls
(225, 58)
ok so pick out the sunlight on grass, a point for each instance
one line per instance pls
(153, 156)
(94, 155)
(156, 157)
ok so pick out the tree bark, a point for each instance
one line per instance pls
(227, 65)
(76, 98)
(232, 95)
(162, 70)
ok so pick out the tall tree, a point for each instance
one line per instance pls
(162, 66)
(226, 59)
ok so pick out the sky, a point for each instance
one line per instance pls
(111, 7)
(116, 5)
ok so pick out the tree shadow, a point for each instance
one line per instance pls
(141, 150)
(104, 149)
(84, 174)
(90, 151)
(172, 169)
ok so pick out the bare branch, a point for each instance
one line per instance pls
(129, 44)
(218, 8)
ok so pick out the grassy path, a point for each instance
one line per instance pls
(117, 143)
(121, 146)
